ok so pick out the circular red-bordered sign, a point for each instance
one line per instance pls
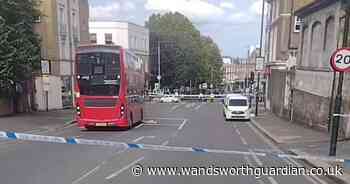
(340, 60)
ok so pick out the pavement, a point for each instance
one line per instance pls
(37, 121)
(193, 124)
(302, 140)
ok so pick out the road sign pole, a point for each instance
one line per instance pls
(158, 77)
(257, 96)
(330, 113)
(338, 98)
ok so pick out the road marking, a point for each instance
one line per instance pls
(182, 124)
(113, 175)
(165, 143)
(256, 159)
(238, 132)
(150, 122)
(198, 107)
(272, 180)
(244, 141)
(161, 124)
(160, 118)
(140, 125)
(87, 174)
(174, 107)
(188, 105)
(143, 137)
(138, 139)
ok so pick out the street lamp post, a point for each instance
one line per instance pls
(260, 55)
(159, 76)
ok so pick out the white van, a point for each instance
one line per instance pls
(236, 106)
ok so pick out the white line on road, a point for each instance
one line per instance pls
(161, 124)
(165, 143)
(238, 132)
(188, 105)
(143, 137)
(256, 159)
(138, 139)
(174, 107)
(198, 107)
(182, 124)
(272, 180)
(87, 174)
(244, 141)
(113, 175)
(140, 125)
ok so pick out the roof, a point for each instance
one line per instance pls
(314, 7)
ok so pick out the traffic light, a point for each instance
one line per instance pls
(252, 76)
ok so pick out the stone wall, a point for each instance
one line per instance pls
(310, 109)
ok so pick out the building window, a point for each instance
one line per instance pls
(62, 22)
(329, 40)
(108, 38)
(297, 24)
(37, 19)
(93, 38)
(304, 46)
(316, 45)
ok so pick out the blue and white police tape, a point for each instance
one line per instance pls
(76, 141)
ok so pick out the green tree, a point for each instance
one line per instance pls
(184, 56)
(19, 45)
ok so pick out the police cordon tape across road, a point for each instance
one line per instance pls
(14, 136)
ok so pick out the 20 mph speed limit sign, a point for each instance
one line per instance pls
(340, 60)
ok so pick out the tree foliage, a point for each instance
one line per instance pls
(185, 54)
(19, 45)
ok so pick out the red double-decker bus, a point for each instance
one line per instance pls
(109, 87)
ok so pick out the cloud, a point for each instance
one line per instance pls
(104, 11)
(128, 6)
(256, 7)
(197, 10)
(227, 5)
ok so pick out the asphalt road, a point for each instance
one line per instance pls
(185, 124)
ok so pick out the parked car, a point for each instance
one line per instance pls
(169, 99)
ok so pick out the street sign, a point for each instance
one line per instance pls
(204, 85)
(45, 67)
(259, 63)
(156, 86)
(340, 60)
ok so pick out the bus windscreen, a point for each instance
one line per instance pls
(98, 74)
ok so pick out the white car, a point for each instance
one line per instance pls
(169, 99)
(236, 106)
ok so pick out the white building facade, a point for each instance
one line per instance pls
(128, 35)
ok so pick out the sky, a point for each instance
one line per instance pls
(233, 24)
